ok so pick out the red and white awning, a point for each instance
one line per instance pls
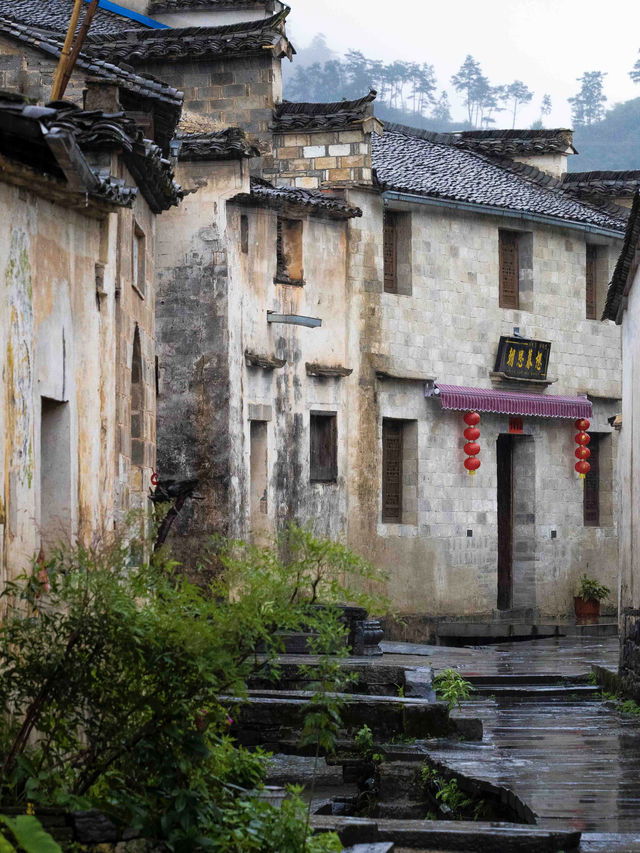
(462, 398)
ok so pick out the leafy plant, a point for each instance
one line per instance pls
(363, 742)
(25, 833)
(125, 676)
(455, 804)
(452, 688)
(591, 590)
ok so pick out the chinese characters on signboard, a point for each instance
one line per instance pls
(521, 358)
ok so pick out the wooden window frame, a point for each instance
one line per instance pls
(323, 460)
(390, 251)
(591, 492)
(392, 470)
(591, 282)
(509, 270)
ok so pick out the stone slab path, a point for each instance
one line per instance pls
(574, 759)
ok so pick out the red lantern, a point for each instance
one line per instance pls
(583, 468)
(582, 424)
(472, 448)
(582, 452)
(583, 438)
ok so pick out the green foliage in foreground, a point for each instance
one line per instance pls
(452, 688)
(119, 679)
(25, 833)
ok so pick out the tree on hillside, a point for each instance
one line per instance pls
(587, 106)
(469, 81)
(635, 72)
(442, 110)
(517, 93)
(545, 107)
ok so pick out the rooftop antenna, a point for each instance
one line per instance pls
(69, 54)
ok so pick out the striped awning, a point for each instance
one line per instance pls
(461, 398)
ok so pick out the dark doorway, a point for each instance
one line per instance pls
(505, 521)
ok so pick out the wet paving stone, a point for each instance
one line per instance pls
(574, 759)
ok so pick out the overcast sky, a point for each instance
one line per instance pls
(545, 43)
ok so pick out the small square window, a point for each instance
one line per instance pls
(323, 447)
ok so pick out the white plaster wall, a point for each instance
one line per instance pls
(47, 265)
(629, 456)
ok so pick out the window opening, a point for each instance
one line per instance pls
(323, 447)
(509, 269)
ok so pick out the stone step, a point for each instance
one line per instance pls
(539, 691)
(449, 835)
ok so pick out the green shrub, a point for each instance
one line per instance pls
(119, 679)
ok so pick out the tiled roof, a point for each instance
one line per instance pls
(424, 163)
(585, 184)
(94, 130)
(228, 144)
(615, 304)
(171, 44)
(51, 43)
(179, 5)
(26, 130)
(512, 143)
(265, 194)
(54, 15)
(292, 115)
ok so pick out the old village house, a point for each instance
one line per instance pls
(81, 189)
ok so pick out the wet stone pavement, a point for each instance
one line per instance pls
(574, 759)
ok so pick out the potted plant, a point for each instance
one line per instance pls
(588, 596)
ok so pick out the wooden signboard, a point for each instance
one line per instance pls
(521, 358)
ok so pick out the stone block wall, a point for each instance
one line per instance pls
(447, 328)
(231, 91)
(311, 159)
(630, 652)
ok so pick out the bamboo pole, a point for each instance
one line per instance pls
(77, 47)
(66, 50)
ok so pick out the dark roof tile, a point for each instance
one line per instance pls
(228, 144)
(265, 194)
(515, 142)
(174, 44)
(615, 304)
(425, 163)
(292, 115)
(602, 183)
(54, 15)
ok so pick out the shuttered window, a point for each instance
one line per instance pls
(390, 251)
(289, 251)
(323, 447)
(591, 272)
(591, 494)
(391, 471)
(509, 269)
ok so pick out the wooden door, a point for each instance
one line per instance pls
(505, 521)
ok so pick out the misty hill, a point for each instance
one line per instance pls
(409, 93)
(613, 143)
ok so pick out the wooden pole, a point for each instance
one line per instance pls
(77, 47)
(66, 50)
